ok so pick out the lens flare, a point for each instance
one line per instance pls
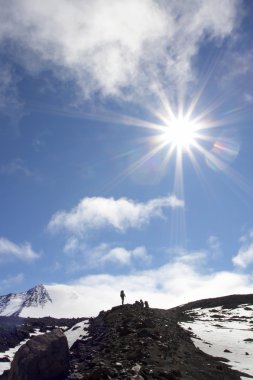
(224, 151)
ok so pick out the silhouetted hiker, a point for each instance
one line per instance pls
(146, 305)
(122, 296)
(142, 304)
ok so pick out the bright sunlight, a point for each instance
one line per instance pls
(181, 133)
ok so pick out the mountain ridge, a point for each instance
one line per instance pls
(128, 342)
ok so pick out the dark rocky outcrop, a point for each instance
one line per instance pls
(44, 357)
(130, 343)
(15, 329)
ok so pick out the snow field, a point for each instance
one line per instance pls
(218, 329)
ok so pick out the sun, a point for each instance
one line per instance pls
(180, 133)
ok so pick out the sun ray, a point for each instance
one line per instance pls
(180, 131)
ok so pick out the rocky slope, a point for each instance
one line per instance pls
(128, 342)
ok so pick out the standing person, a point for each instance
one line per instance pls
(122, 296)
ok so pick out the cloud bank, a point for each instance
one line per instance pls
(180, 281)
(108, 46)
(121, 214)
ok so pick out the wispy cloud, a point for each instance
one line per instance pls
(244, 257)
(15, 166)
(108, 46)
(23, 251)
(121, 214)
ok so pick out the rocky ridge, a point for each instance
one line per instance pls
(129, 342)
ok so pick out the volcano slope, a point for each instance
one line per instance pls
(128, 342)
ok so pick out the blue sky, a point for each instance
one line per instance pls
(97, 185)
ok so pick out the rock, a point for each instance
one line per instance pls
(44, 357)
(125, 331)
(226, 350)
(137, 377)
(5, 375)
(100, 373)
(136, 369)
(176, 373)
(148, 323)
(144, 333)
(4, 359)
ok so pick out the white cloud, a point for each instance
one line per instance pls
(81, 256)
(244, 256)
(121, 214)
(24, 251)
(109, 45)
(119, 255)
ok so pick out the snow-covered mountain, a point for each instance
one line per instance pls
(14, 303)
(59, 301)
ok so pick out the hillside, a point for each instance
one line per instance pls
(128, 342)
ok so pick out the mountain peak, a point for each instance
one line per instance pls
(14, 303)
(37, 296)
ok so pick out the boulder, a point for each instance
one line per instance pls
(44, 357)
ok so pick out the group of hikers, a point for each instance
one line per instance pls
(137, 303)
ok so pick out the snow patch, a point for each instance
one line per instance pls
(11, 352)
(218, 329)
(78, 331)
